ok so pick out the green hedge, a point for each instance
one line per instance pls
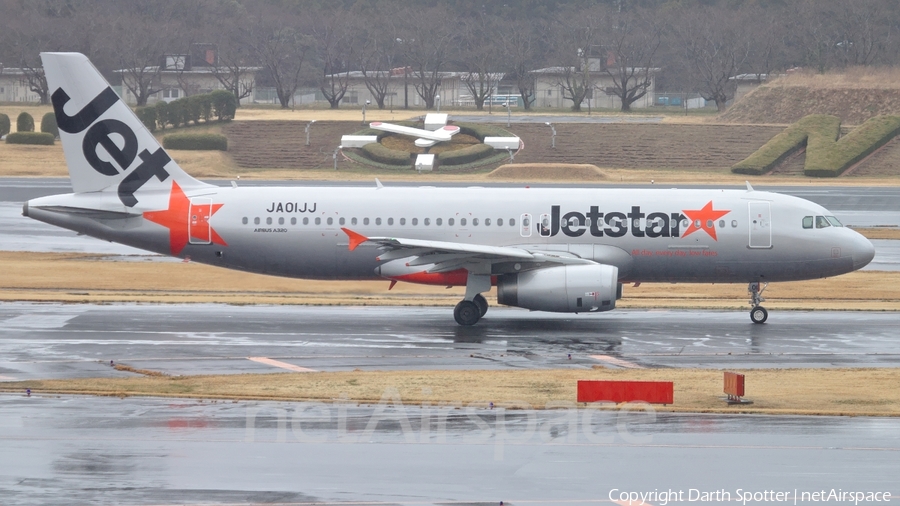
(196, 142)
(162, 114)
(381, 154)
(4, 124)
(465, 155)
(48, 125)
(826, 156)
(40, 138)
(147, 115)
(24, 123)
(224, 104)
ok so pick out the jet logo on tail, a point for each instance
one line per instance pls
(116, 138)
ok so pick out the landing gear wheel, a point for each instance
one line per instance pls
(759, 314)
(467, 313)
(482, 304)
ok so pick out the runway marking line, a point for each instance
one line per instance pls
(617, 361)
(280, 364)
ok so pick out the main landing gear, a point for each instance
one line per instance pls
(758, 314)
(473, 306)
(468, 312)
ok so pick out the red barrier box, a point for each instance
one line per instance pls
(734, 384)
(654, 392)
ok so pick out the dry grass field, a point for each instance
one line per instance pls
(847, 392)
(97, 279)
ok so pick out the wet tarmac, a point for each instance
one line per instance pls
(84, 450)
(70, 340)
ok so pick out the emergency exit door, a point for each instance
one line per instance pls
(760, 225)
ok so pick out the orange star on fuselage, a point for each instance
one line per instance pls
(707, 218)
(186, 220)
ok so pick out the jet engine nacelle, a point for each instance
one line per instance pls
(564, 289)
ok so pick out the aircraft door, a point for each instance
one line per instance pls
(760, 225)
(544, 225)
(525, 225)
(199, 231)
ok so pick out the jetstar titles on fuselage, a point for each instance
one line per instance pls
(636, 222)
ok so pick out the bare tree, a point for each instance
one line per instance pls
(632, 41)
(714, 49)
(425, 43)
(577, 48)
(376, 60)
(281, 49)
(335, 48)
(480, 54)
(523, 43)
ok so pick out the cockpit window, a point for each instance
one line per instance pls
(834, 221)
(821, 222)
(807, 222)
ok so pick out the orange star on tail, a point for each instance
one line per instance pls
(186, 220)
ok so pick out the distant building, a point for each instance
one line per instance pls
(401, 84)
(181, 75)
(14, 86)
(549, 91)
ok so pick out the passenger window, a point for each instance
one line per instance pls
(512, 222)
(353, 221)
(462, 222)
(733, 223)
(403, 221)
(821, 222)
(426, 221)
(438, 221)
(269, 220)
(318, 221)
(499, 222)
(415, 221)
(487, 222)
(293, 221)
(341, 221)
(450, 222)
(306, 221)
(390, 221)
(807, 222)
(365, 221)
(281, 221)
(330, 221)
(721, 223)
(378, 221)
(834, 221)
(244, 220)
(474, 222)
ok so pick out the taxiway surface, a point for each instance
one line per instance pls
(71, 340)
(84, 450)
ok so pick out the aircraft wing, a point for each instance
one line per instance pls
(442, 256)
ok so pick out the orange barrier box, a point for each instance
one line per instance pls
(654, 392)
(734, 384)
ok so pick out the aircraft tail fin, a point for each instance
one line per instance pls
(106, 146)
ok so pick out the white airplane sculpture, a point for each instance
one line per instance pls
(424, 138)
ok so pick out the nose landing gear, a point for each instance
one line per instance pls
(758, 314)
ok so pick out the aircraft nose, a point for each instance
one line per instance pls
(863, 252)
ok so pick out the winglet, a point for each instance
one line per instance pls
(749, 188)
(355, 239)
(378, 184)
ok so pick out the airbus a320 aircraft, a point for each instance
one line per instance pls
(563, 250)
